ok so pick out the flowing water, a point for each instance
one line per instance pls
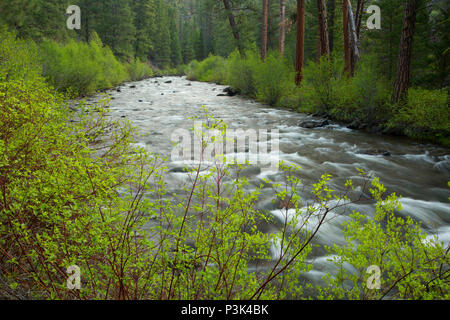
(417, 172)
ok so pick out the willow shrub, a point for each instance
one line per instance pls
(241, 72)
(81, 67)
(138, 70)
(18, 58)
(274, 80)
(426, 114)
(212, 69)
(410, 264)
(318, 89)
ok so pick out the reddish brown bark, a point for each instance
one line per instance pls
(359, 11)
(404, 57)
(347, 51)
(265, 17)
(300, 50)
(282, 26)
(233, 25)
(324, 45)
(331, 7)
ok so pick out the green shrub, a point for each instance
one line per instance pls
(179, 70)
(426, 114)
(241, 72)
(363, 97)
(318, 88)
(18, 58)
(212, 69)
(81, 67)
(274, 80)
(191, 68)
(138, 70)
(411, 265)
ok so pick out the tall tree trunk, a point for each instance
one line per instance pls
(345, 28)
(404, 56)
(265, 17)
(359, 11)
(324, 45)
(350, 38)
(331, 9)
(299, 57)
(282, 26)
(353, 39)
(233, 25)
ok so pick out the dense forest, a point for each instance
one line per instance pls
(75, 190)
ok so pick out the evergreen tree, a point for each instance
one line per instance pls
(175, 46)
(188, 49)
(161, 49)
(144, 22)
(114, 25)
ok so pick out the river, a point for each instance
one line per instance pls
(418, 172)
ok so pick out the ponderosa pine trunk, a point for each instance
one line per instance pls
(404, 56)
(331, 10)
(354, 51)
(324, 45)
(359, 11)
(264, 26)
(300, 48)
(282, 26)
(233, 25)
(345, 28)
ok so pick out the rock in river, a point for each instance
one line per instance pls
(310, 124)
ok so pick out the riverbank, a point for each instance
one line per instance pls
(361, 102)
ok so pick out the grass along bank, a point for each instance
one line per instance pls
(361, 102)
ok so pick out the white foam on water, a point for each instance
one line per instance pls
(424, 211)
(337, 127)
(420, 157)
(329, 232)
(373, 158)
(442, 234)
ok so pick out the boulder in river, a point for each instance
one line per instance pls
(168, 81)
(133, 86)
(356, 125)
(310, 124)
(230, 91)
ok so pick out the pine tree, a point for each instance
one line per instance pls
(300, 54)
(161, 50)
(282, 27)
(404, 57)
(264, 27)
(114, 25)
(175, 46)
(188, 49)
(144, 18)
